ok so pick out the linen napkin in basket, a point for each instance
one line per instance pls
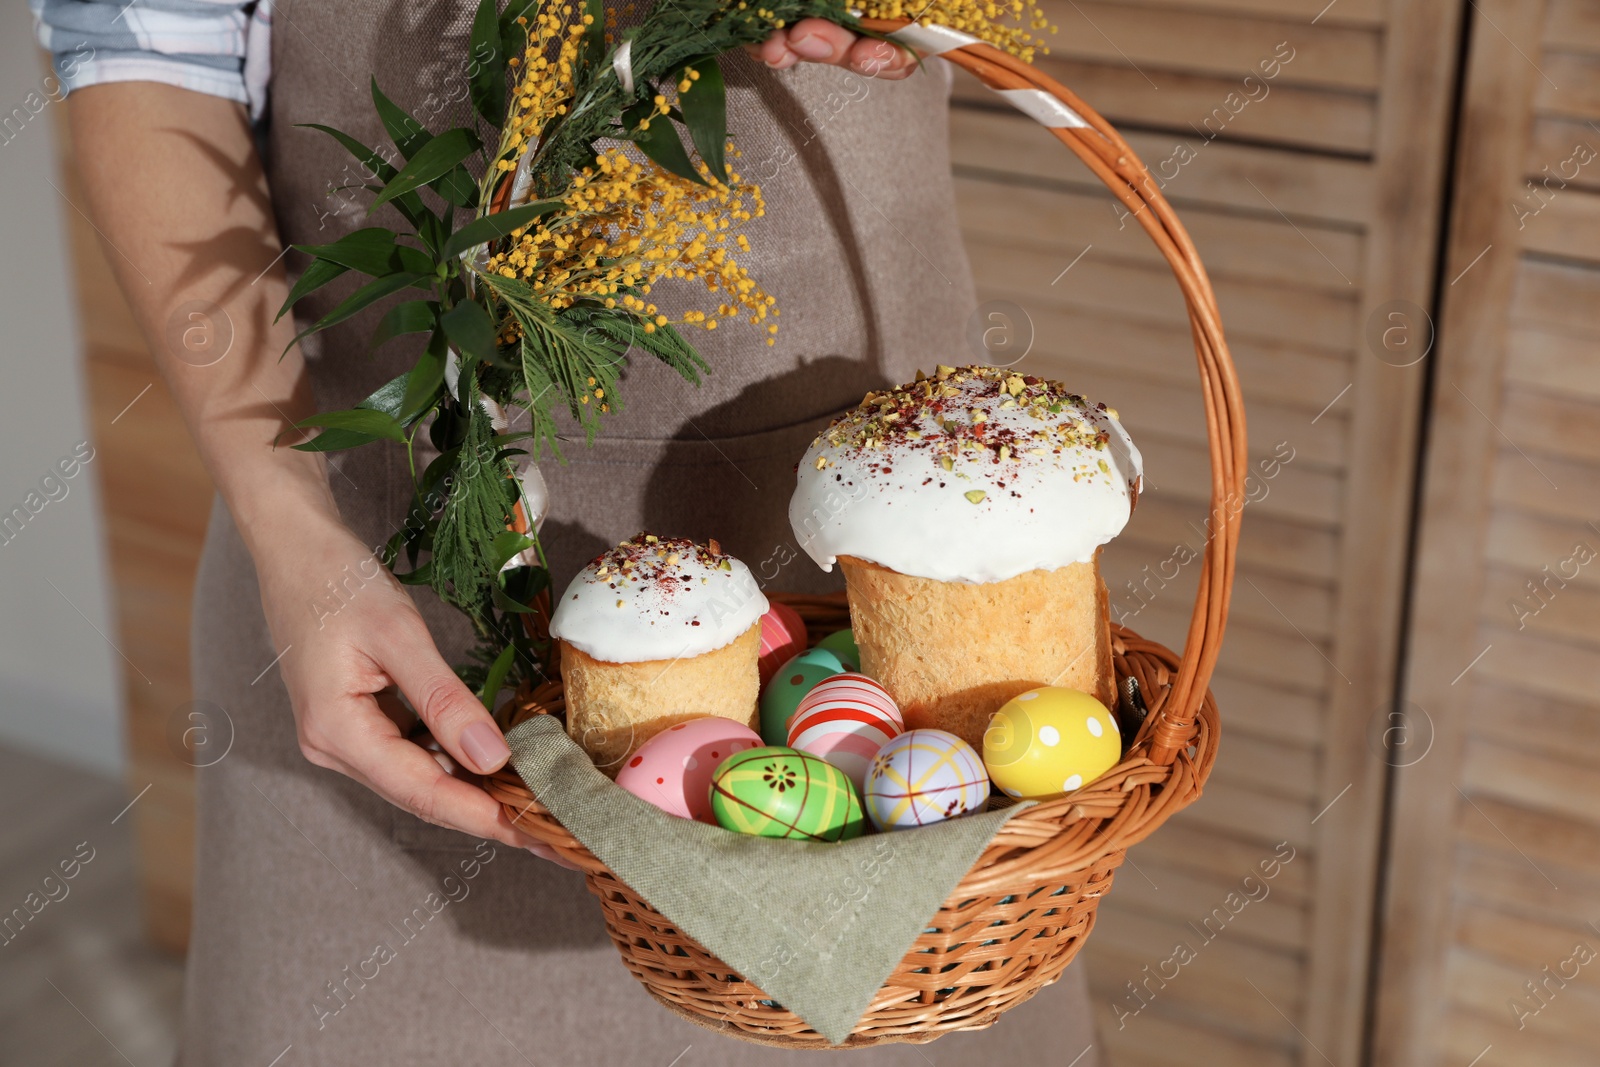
(818, 927)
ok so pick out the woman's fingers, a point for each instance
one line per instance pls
(453, 715)
(410, 778)
(816, 40)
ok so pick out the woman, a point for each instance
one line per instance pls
(390, 912)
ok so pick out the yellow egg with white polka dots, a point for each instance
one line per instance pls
(1050, 741)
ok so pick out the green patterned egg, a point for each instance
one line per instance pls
(789, 686)
(842, 643)
(777, 792)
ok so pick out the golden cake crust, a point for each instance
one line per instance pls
(613, 708)
(951, 653)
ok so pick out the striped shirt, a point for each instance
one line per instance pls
(218, 47)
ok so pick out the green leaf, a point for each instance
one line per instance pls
(319, 273)
(364, 155)
(661, 143)
(361, 420)
(471, 330)
(488, 65)
(507, 544)
(372, 251)
(410, 206)
(497, 676)
(433, 160)
(492, 227)
(336, 441)
(594, 39)
(362, 298)
(413, 316)
(457, 187)
(387, 398)
(665, 343)
(705, 112)
(408, 134)
(422, 575)
(423, 383)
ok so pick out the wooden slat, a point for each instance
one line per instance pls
(1284, 546)
(1249, 813)
(1175, 411)
(1544, 485)
(1568, 224)
(1552, 141)
(1486, 987)
(1531, 779)
(1272, 371)
(1213, 43)
(1564, 612)
(1552, 423)
(1557, 296)
(1564, 728)
(1572, 26)
(1152, 1037)
(1170, 893)
(1288, 115)
(1569, 84)
(1333, 190)
(1368, 13)
(1255, 249)
(1267, 711)
(1312, 318)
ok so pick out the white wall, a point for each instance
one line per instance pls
(59, 678)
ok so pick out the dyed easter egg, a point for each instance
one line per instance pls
(842, 643)
(1050, 741)
(789, 686)
(673, 769)
(845, 720)
(783, 636)
(922, 777)
(777, 792)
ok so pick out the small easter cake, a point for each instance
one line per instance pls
(967, 511)
(652, 633)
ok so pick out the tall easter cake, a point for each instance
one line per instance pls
(654, 632)
(967, 511)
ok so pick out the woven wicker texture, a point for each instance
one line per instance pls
(1024, 909)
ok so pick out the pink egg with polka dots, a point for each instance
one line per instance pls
(783, 636)
(673, 769)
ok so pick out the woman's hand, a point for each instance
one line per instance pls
(821, 41)
(173, 180)
(339, 652)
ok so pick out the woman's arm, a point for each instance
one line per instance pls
(178, 195)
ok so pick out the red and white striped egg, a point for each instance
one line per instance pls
(845, 720)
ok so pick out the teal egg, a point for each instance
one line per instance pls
(842, 643)
(789, 686)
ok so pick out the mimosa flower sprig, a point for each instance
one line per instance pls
(535, 238)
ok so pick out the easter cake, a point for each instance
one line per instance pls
(967, 511)
(655, 632)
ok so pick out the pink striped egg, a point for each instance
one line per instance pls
(783, 636)
(845, 720)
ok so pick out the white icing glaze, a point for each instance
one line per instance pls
(1033, 488)
(672, 599)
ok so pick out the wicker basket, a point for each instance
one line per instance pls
(1022, 912)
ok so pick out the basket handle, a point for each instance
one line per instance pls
(1094, 141)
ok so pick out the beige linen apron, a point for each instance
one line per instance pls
(333, 929)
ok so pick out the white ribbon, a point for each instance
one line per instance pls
(932, 40)
(622, 63)
(1043, 108)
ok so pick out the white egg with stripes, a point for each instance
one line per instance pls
(845, 720)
